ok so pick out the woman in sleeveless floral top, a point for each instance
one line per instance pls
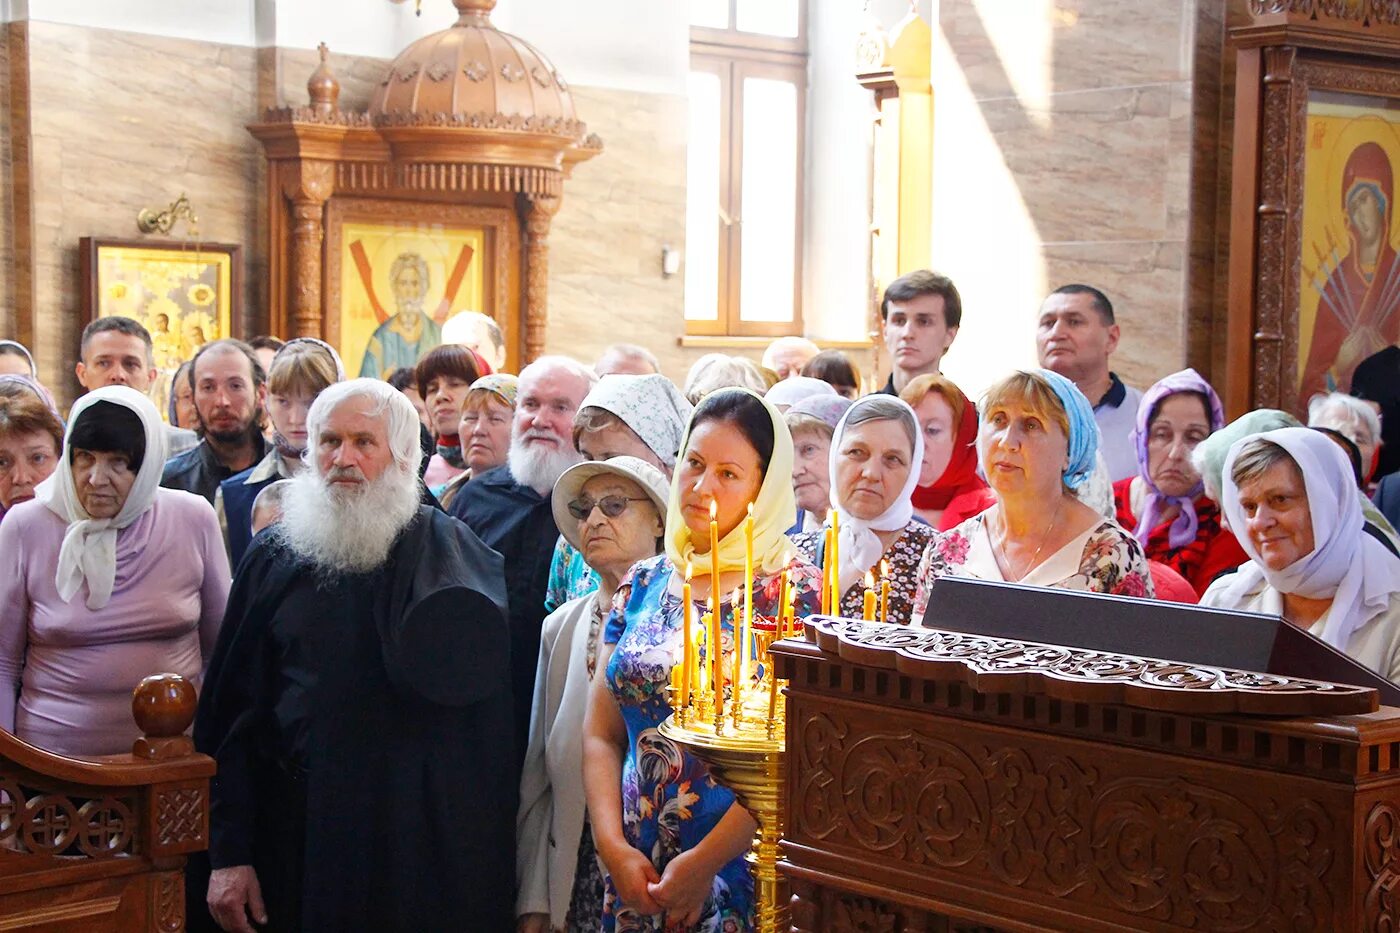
(670, 836)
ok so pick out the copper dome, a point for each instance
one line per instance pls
(472, 75)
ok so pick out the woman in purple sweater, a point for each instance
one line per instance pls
(105, 578)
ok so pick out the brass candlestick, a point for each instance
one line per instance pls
(746, 753)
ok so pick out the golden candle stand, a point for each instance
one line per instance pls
(746, 754)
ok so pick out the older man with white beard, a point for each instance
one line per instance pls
(509, 507)
(358, 702)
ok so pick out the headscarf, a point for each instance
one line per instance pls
(1209, 455)
(796, 388)
(33, 370)
(89, 551)
(502, 385)
(825, 408)
(860, 547)
(961, 471)
(1083, 429)
(1355, 570)
(35, 386)
(1183, 529)
(650, 405)
(772, 511)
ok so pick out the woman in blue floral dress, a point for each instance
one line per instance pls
(671, 838)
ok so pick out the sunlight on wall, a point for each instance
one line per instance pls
(1021, 32)
(983, 236)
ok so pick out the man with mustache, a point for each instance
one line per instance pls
(358, 701)
(509, 507)
(229, 390)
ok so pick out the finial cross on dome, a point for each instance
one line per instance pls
(325, 51)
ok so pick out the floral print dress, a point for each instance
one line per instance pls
(903, 557)
(1104, 559)
(669, 799)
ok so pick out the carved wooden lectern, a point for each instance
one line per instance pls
(944, 781)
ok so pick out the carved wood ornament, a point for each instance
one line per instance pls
(470, 126)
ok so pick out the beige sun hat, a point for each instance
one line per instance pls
(645, 475)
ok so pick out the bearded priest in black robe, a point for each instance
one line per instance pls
(359, 700)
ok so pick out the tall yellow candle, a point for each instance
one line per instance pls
(735, 606)
(716, 651)
(884, 591)
(782, 605)
(688, 639)
(826, 572)
(836, 593)
(744, 636)
(869, 607)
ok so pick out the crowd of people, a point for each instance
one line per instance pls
(433, 617)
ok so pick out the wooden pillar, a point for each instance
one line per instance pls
(307, 186)
(539, 211)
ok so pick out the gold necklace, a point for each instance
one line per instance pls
(1044, 538)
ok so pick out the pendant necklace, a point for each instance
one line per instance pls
(999, 551)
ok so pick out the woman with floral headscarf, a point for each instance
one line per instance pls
(1165, 504)
(1037, 445)
(671, 837)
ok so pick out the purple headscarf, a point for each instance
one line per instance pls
(1183, 529)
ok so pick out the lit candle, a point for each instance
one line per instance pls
(884, 591)
(714, 550)
(716, 656)
(826, 572)
(782, 605)
(746, 633)
(869, 613)
(836, 593)
(688, 639)
(734, 608)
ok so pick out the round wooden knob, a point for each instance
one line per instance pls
(163, 705)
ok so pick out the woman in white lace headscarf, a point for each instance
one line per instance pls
(105, 578)
(1290, 497)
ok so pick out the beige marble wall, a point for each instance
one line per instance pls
(8, 328)
(1075, 157)
(120, 122)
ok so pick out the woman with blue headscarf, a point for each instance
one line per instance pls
(1037, 442)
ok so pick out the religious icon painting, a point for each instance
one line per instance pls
(1349, 305)
(183, 293)
(397, 270)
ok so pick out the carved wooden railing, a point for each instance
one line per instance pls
(97, 844)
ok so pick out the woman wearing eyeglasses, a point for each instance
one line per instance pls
(670, 835)
(613, 513)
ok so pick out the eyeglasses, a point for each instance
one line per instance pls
(612, 506)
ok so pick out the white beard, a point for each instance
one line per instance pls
(347, 529)
(539, 466)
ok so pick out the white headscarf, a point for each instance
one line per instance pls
(860, 547)
(89, 551)
(316, 341)
(1346, 564)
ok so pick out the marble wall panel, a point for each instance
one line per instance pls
(8, 325)
(619, 209)
(123, 121)
(1006, 47)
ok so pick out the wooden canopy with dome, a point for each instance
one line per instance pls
(462, 154)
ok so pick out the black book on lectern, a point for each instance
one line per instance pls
(1145, 628)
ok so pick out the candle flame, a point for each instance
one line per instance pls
(714, 509)
(869, 580)
(884, 568)
(750, 510)
(709, 604)
(735, 598)
(687, 571)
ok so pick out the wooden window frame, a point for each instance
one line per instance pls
(733, 56)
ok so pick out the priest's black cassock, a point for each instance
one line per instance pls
(362, 725)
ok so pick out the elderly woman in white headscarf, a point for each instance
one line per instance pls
(613, 512)
(1290, 498)
(105, 578)
(876, 452)
(622, 416)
